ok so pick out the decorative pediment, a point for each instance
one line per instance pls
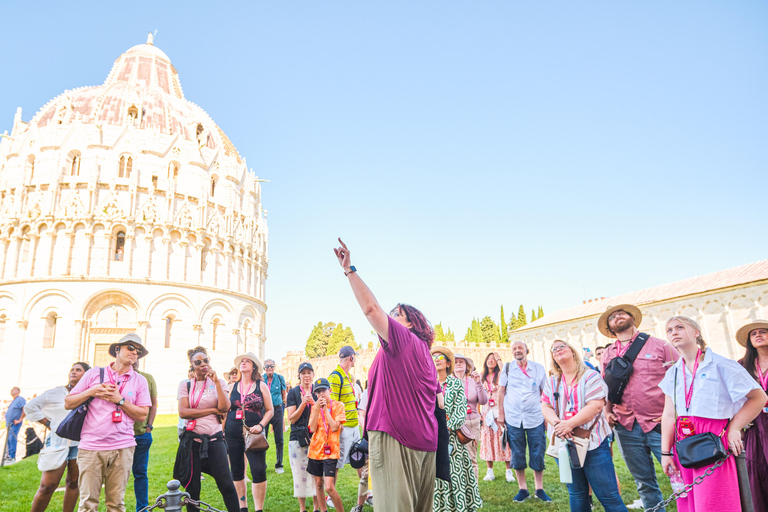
(148, 212)
(215, 224)
(110, 209)
(73, 208)
(186, 216)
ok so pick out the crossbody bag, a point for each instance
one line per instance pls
(619, 369)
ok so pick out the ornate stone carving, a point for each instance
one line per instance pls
(185, 217)
(196, 327)
(148, 212)
(74, 208)
(215, 224)
(110, 209)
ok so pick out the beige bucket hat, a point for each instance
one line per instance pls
(447, 353)
(742, 335)
(252, 357)
(129, 339)
(633, 311)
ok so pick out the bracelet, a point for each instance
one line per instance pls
(668, 454)
(351, 270)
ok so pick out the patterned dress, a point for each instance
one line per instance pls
(490, 445)
(462, 493)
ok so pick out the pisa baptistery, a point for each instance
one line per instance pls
(125, 208)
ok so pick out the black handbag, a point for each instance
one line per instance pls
(698, 450)
(303, 434)
(72, 426)
(619, 369)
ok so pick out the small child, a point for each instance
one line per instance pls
(325, 421)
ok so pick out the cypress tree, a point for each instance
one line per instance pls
(533, 315)
(521, 318)
(503, 328)
(541, 312)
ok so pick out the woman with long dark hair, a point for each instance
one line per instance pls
(201, 400)
(48, 409)
(401, 421)
(705, 392)
(490, 445)
(754, 337)
(250, 394)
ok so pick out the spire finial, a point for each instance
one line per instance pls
(151, 39)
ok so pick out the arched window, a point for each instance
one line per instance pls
(31, 166)
(49, 334)
(126, 166)
(216, 323)
(173, 170)
(168, 328)
(75, 168)
(213, 186)
(120, 246)
(133, 115)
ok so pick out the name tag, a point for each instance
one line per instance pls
(239, 414)
(191, 424)
(117, 416)
(491, 402)
(327, 449)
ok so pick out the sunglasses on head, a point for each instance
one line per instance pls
(198, 362)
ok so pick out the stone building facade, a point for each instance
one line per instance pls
(125, 208)
(720, 302)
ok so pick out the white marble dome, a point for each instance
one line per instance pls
(124, 207)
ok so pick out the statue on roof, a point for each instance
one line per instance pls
(151, 39)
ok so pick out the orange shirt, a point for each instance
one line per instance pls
(321, 437)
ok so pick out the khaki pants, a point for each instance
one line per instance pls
(404, 478)
(110, 468)
(474, 425)
(362, 488)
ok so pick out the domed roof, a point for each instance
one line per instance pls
(143, 88)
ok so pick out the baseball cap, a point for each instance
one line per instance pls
(320, 384)
(347, 352)
(305, 366)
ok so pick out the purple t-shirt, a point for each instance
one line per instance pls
(100, 433)
(403, 387)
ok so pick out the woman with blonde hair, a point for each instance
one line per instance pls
(490, 445)
(572, 402)
(705, 392)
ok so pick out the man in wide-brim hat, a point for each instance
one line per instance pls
(742, 335)
(131, 338)
(637, 419)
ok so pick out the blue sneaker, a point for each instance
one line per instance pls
(521, 496)
(543, 496)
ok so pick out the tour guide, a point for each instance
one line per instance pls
(401, 422)
(637, 419)
(107, 442)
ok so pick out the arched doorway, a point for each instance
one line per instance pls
(108, 317)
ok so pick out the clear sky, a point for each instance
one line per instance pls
(471, 154)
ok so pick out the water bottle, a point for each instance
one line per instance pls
(677, 484)
(564, 461)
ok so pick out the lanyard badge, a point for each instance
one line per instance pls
(327, 449)
(239, 414)
(685, 427)
(491, 402)
(191, 424)
(117, 416)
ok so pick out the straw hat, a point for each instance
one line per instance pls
(467, 360)
(633, 311)
(447, 353)
(252, 357)
(742, 335)
(129, 339)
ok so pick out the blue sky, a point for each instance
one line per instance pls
(471, 154)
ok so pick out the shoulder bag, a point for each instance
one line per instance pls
(253, 442)
(619, 369)
(699, 450)
(72, 426)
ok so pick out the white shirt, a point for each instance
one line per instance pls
(50, 405)
(522, 397)
(719, 389)
(362, 405)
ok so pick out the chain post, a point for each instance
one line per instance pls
(689, 487)
(174, 498)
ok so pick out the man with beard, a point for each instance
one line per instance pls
(520, 386)
(637, 419)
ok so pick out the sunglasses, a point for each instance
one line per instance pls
(438, 357)
(269, 366)
(130, 347)
(198, 362)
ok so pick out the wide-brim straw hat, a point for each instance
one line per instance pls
(252, 357)
(447, 353)
(602, 322)
(468, 360)
(132, 338)
(742, 335)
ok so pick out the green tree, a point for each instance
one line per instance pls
(489, 330)
(370, 345)
(533, 315)
(317, 343)
(503, 328)
(474, 333)
(541, 312)
(512, 322)
(449, 336)
(340, 337)
(439, 334)
(521, 318)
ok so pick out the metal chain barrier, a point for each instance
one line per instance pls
(201, 505)
(689, 487)
(174, 501)
(159, 503)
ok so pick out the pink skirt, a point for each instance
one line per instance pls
(719, 492)
(490, 446)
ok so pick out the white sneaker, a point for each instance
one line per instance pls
(329, 502)
(369, 501)
(637, 504)
(279, 471)
(489, 475)
(510, 475)
(357, 508)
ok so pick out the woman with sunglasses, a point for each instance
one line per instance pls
(461, 494)
(572, 402)
(201, 400)
(251, 407)
(705, 392)
(490, 445)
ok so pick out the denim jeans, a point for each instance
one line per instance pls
(598, 471)
(537, 445)
(13, 439)
(637, 448)
(140, 460)
(277, 426)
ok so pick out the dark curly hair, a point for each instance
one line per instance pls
(197, 350)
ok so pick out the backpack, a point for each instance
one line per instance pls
(619, 369)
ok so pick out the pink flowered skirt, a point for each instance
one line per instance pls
(490, 445)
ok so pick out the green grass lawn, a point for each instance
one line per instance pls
(18, 483)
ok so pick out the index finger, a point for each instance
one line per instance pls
(342, 244)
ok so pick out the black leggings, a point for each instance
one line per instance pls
(216, 466)
(256, 460)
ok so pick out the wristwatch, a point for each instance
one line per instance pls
(121, 402)
(351, 269)
(148, 427)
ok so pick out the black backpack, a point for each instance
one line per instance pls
(619, 369)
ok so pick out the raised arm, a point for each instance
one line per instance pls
(368, 303)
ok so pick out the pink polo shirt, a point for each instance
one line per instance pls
(643, 400)
(100, 433)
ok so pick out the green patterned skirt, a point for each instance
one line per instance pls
(462, 493)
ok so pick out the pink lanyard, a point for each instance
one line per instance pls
(763, 378)
(466, 394)
(194, 383)
(689, 392)
(125, 381)
(523, 370)
(309, 406)
(489, 380)
(572, 395)
(325, 424)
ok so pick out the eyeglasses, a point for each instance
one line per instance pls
(558, 348)
(394, 313)
(269, 366)
(615, 314)
(438, 357)
(198, 362)
(131, 348)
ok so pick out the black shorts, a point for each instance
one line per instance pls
(326, 467)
